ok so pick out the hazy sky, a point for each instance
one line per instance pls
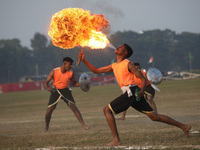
(23, 18)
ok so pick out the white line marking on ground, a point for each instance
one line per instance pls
(121, 147)
(29, 121)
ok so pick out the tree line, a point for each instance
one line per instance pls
(170, 51)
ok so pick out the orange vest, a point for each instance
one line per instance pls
(139, 82)
(123, 75)
(61, 80)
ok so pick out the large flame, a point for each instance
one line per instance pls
(77, 27)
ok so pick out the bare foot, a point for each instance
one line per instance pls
(86, 127)
(186, 130)
(46, 129)
(113, 143)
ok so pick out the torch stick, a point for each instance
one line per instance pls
(80, 59)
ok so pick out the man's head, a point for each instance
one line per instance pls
(124, 50)
(67, 63)
(128, 49)
(137, 66)
(68, 59)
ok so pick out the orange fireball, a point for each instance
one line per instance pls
(77, 27)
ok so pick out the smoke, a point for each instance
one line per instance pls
(100, 6)
(111, 11)
(108, 8)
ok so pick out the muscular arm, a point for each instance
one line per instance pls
(74, 82)
(138, 74)
(49, 78)
(92, 68)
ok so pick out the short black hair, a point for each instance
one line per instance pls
(68, 59)
(129, 50)
(137, 64)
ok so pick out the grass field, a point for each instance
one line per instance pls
(22, 120)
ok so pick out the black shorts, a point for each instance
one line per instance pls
(149, 90)
(123, 102)
(58, 94)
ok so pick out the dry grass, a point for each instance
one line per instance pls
(22, 120)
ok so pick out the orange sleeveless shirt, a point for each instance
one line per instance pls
(123, 75)
(61, 80)
(139, 82)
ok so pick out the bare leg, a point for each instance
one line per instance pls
(170, 121)
(48, 116)
(78, 115)
(112, 124)
(152, 103)
(122, 116)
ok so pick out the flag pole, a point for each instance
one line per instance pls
(190, 61)
(80, 59)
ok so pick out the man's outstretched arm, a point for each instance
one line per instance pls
(93, 68)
